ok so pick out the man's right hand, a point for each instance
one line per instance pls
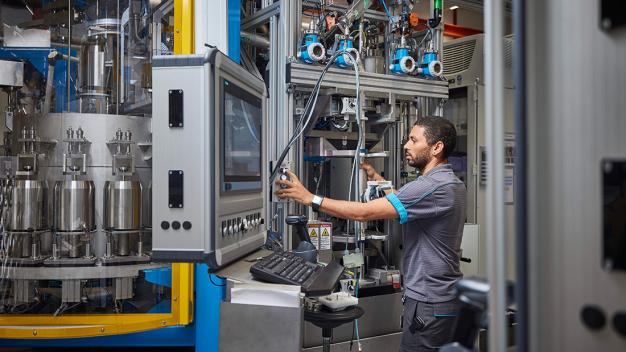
(372, 175)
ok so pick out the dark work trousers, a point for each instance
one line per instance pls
(438, 318)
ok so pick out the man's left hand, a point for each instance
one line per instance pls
(296, 190)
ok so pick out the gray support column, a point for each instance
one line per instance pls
(494, 111)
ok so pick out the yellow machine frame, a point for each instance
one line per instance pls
(88, 325)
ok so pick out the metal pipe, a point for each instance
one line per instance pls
(263, 29)
(437, 10)
(140, 246)
(62, 45)
(49, 84)
(56, 253)
(53, 57)
(521, 245)
(74, 246)
(35, 250)
(109, 247)
(255, 40)
(26, 245)
(494, 112)
(122, 244)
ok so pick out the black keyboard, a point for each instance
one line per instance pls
(286, 268)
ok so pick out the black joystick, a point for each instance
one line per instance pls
(299, 222)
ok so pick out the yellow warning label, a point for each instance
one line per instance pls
(314, 234)
(325, 233)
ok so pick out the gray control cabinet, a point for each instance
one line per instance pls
(209, 191)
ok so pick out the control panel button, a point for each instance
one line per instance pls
(261, 221)
(619, 322)
(592, 316)
(176, 225)
(186, 225)
(225, 231)
(165, 225)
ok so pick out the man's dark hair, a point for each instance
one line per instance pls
(437, 128)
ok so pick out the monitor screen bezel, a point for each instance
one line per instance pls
(237, 91)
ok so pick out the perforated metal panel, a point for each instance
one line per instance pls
(508, 54)
(458, 57)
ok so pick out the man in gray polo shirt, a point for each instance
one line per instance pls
(432, 211)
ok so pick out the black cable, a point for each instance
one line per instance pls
(419, 24)
(308, 108)
(211, 278)
(352, 338)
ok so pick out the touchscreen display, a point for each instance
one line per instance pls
(241, 140)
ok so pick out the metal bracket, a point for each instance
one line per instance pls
(146, 149)
(290, 87)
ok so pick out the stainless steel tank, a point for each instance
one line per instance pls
(28, 204)
(96, 74)
(98, 129)
(74, 206)
(74, 211)
(122, 205)
(122, 210)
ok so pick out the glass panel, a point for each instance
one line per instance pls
(455, 111)
(75, 189)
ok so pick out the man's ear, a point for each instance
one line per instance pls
(438, 147)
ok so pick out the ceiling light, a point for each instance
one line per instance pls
(454, 7)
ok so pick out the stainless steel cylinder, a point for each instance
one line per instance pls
(28, 205)
(27, 245)
(96, 75)
(88, 250)
(74, 206)
(122, 205)
(123, 247)
(74, 241)
(375, 64)
(35, 250)
(56, 253)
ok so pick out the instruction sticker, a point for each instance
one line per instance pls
(325, 242)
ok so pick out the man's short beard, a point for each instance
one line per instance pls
(421, 160)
